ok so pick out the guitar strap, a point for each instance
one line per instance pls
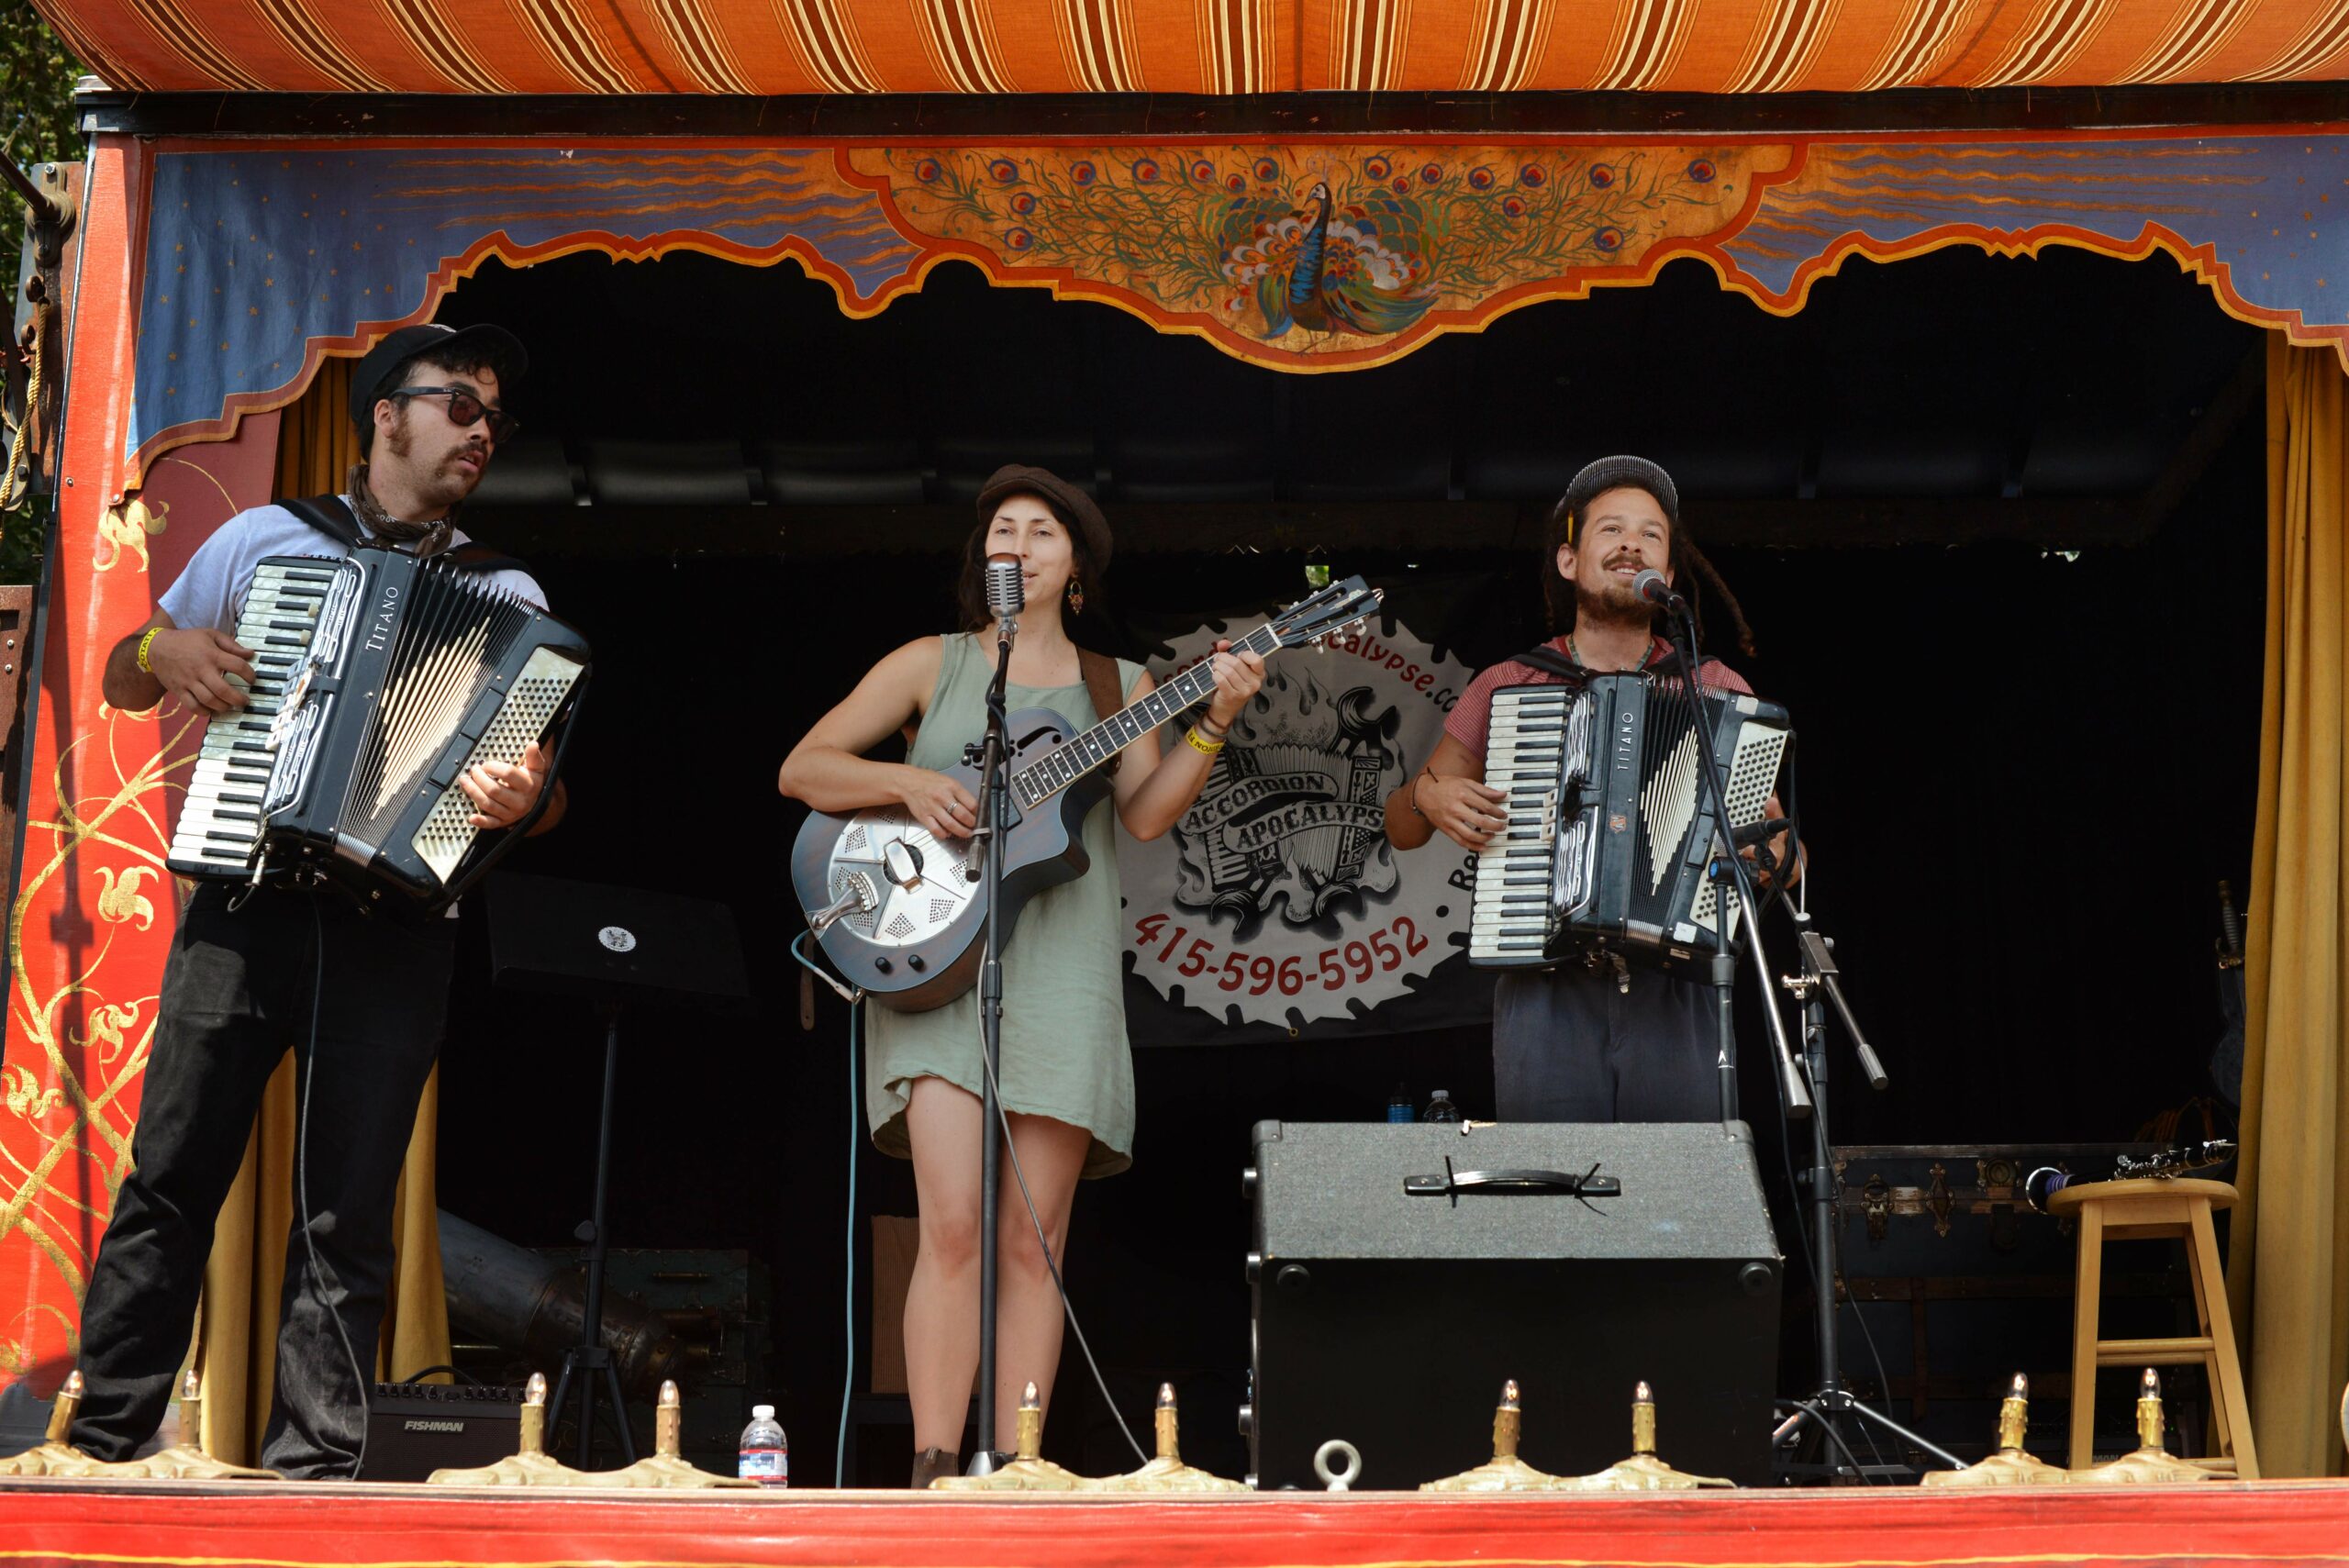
(1100, 682)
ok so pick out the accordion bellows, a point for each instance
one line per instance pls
(378, 679)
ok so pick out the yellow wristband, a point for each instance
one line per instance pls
(145, 644)
(1200, 744)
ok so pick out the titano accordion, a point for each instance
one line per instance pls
(1610, 837)
(378, 679)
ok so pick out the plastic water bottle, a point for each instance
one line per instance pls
(766, 1453)
(1440, 1107)
(1398, 1105)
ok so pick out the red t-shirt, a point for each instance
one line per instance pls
(1471, 716)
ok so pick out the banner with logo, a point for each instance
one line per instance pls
(1277, 909)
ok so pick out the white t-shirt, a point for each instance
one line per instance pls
(211, 591)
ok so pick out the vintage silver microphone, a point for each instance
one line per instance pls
(1007, 595)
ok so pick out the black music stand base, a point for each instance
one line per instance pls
(589, 1357)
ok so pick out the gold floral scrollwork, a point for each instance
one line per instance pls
(125, 529)
(27, 1098)
(122, 900)
(106, 1023)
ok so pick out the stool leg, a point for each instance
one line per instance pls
(2235, 1426)
(2087, 1291)
(2221, 1424)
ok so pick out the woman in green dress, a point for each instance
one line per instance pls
(1067, 1077)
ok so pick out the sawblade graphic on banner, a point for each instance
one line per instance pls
(1278, 894)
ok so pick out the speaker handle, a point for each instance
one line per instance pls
(1550, 1183)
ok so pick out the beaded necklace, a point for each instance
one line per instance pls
(1647, 655)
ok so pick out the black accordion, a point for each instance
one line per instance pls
(378, 679)
(1610, 842)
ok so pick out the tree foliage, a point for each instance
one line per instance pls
(36, 76)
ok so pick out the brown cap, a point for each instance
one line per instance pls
(1072, 505)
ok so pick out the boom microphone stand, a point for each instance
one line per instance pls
(993, 759)
(1652, 586)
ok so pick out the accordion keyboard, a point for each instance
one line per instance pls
(220, 820)
(1514, 914)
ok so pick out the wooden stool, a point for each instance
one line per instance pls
(2133, 1210)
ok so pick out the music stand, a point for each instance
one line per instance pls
(613, 946)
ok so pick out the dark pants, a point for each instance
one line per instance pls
(238, 994)
(1569, 1045)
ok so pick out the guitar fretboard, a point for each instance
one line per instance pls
(1080, 754)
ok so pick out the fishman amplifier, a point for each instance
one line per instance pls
(415, 1429)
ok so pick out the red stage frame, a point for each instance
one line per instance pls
(379, 1527)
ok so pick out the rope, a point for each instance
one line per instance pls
(9, 491)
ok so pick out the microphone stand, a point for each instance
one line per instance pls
(1819, 984)
(1797, 1096)
(993, 761)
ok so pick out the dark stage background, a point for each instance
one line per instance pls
(2021, 768)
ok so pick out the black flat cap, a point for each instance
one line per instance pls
(372, 382)
(1613, 473)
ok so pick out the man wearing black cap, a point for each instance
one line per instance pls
(1572, 1044)
(359, 997)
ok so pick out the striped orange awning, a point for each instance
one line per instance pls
(1192, 46)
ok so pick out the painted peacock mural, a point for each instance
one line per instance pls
(1366, 267)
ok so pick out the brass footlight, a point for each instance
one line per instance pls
(1643, 1472)
(530, 1465)
(666, 1467)
(1029, 1470)
(2151, 1463)
(54, 1455)
(1505, 1472)
(2010, 1466)
(1167, 1472)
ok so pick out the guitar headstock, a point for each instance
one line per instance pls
(1329, 612)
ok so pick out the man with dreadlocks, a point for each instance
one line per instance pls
(1574, 1044)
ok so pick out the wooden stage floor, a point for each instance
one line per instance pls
(218, 1525)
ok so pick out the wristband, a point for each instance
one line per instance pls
(1212, 730)
(1414, 802)
(1200, 744)
(145, 644)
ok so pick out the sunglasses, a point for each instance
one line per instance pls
(466, 408)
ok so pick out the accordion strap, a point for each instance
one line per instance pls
(331, 515)
(1549, 661)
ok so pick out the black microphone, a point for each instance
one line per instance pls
(1007, 594)
(1760, 830)
(1650, 585)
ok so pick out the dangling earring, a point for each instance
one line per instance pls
(1076, 597)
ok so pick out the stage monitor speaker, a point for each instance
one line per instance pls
(415, 1429)
(1392, 1296)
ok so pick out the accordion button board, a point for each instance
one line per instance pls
(378, 680)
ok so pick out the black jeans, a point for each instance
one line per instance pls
(239, 993)
(1569, 1045)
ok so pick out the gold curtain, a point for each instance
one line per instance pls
(237, 1337)
(2287, 1270)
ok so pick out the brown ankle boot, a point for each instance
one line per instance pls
(930, 1465)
